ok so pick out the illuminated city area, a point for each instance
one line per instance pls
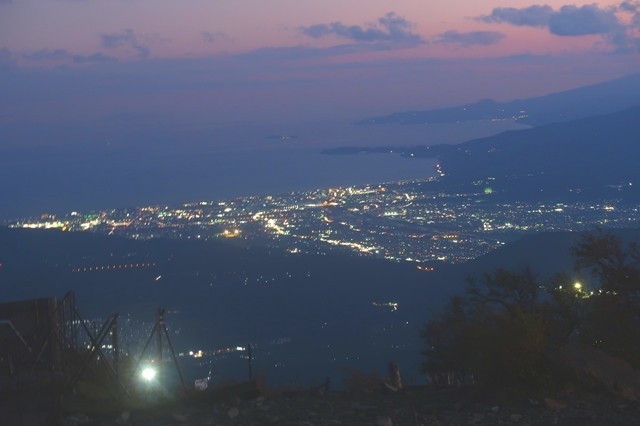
(400, 221)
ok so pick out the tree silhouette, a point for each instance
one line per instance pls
(612, 318)
(497, 333)
(504, 331)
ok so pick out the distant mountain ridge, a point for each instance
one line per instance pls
(595, 155)
(602, 98)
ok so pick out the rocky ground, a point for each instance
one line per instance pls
(417, 406)
(409, 407)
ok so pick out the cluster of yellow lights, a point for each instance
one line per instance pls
(272, 224)
(580, 292)
(90, 224)
(233, 233)
(114, 267)
(357, 246)
(425, 268)
(200, 353)
(392, 305)
(45, 225)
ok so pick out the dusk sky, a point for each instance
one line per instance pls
(204, 62)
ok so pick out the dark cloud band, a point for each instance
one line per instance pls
(391, 29)
(473, 38)
(63, 55)
(573, 20)
(127, 38)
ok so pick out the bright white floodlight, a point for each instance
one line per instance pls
(148, 374)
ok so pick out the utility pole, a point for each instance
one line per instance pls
(160, 327)
(250, 362)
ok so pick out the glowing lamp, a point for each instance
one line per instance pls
(148, 374)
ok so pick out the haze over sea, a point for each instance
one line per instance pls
(120, 167)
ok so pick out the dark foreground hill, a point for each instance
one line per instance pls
(307, 316)
(365, 406)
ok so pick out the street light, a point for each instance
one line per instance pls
(148, 374)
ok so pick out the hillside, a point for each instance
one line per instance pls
(221, 295)
(602, 98)
(589, 153)
(322, 303)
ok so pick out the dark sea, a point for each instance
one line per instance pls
(134, 169)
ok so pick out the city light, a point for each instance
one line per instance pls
(400, 221)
